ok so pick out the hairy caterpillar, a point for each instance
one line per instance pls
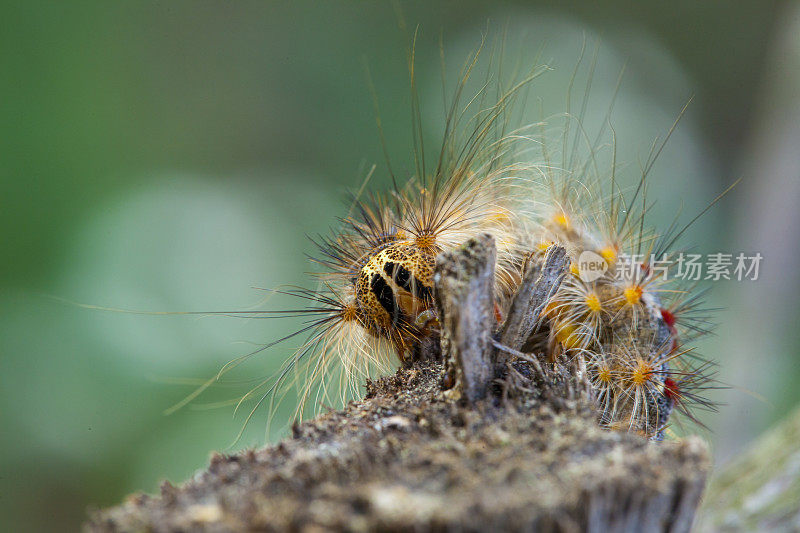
(374, 304)
(625, 319)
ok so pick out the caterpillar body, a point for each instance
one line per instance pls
(625, 323)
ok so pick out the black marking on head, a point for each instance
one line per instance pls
(383, 292)
(422, 292)
(399, 274)
(407, 280)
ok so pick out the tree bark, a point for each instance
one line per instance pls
(488, 439)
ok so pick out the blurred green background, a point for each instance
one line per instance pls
(173, 156)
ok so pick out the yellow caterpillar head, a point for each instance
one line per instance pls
(394, 287)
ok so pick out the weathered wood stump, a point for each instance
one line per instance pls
(510, 443)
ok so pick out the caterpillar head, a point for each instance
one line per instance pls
(393, 289)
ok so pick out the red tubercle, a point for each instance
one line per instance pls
(671, 389)
(498, 313)
(669, 319)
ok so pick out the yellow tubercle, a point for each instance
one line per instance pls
(593, 303)
(562, 220)
(609, 253)
(503, 216)
(604, 374)
(641, 373)
(425, 242)
(350, 313)
(633, 294)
